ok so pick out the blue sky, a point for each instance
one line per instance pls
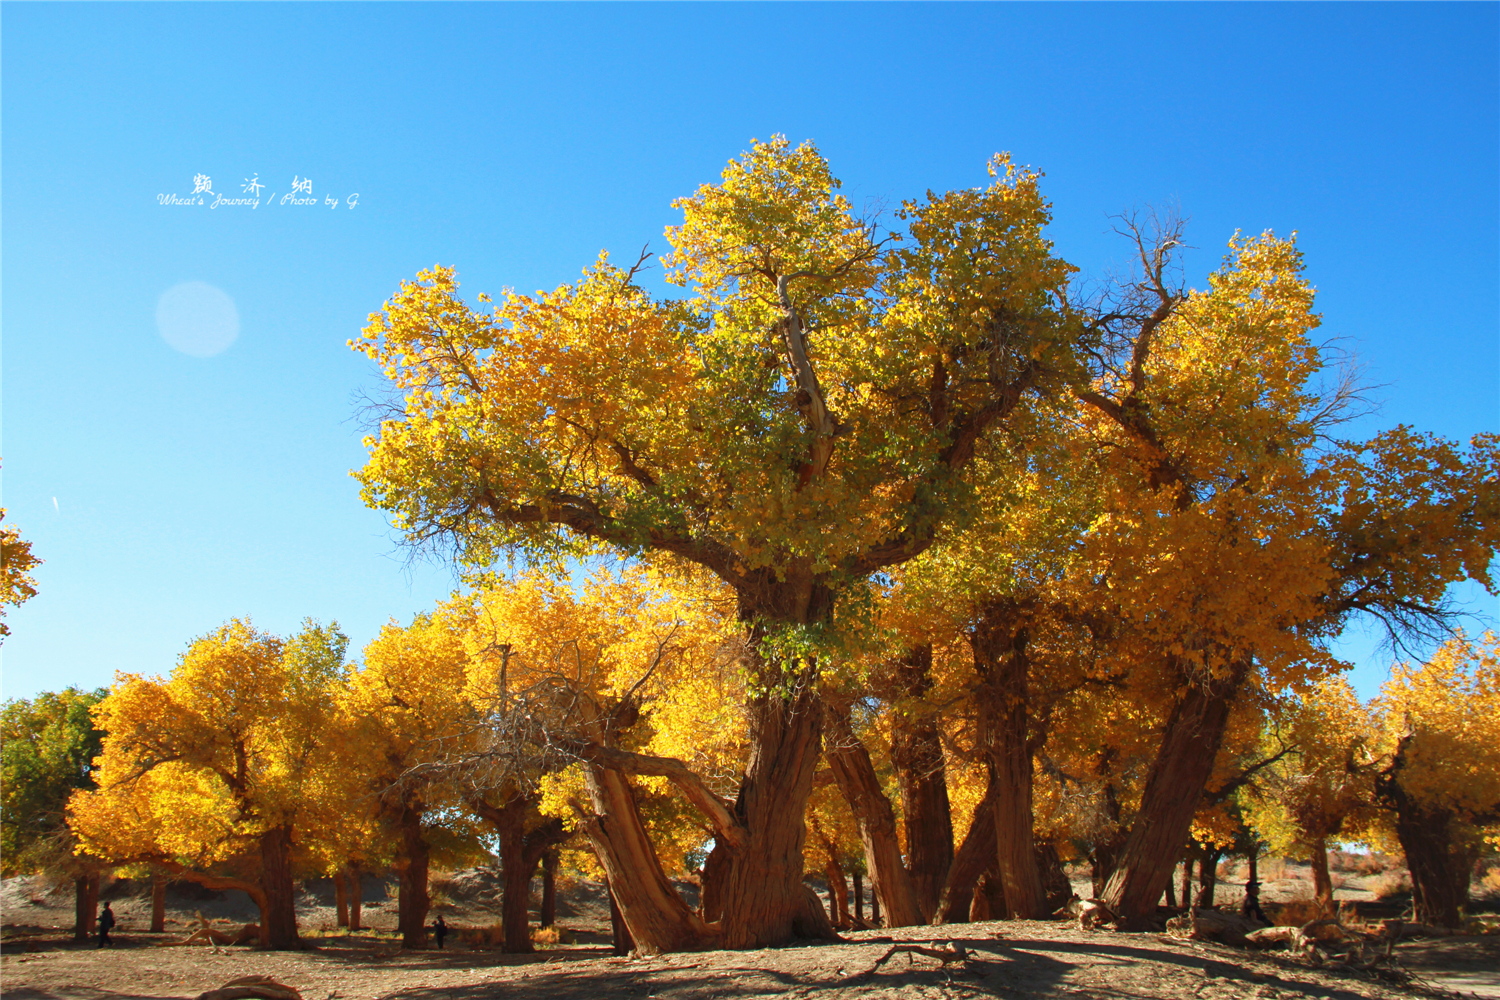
(168, 492)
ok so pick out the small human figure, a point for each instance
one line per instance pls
(439, 930)
(106, 921)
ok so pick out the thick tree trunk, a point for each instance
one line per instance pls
(356, 897)
(1322, 879)
(278, 918)
(1439, 866)
(975, 854)
(341, 898)
(1174, 790)
(620, 933)
(765, 900)
(856, 778)
(917, 753)
(158, 903)
(650, 908)
(515, 898)
(85, 905)
(875, 903)
(412, 901)
(549, 889)
(999, 643)
(1208, 877)
(859, 898)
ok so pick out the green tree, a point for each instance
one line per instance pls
(47, 750)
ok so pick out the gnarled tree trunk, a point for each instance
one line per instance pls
(765, 900)
(655, 915)
(278, 918)
(1439, 866)
(856, 778)
(85, 905)
(917, 753)
(975, 854)
(999, 641)
(1174, 790)
(412, 901)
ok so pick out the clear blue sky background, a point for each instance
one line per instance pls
(517, 141)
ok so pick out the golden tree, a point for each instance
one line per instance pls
(1438, 755)
(222, 772)
(806, 418)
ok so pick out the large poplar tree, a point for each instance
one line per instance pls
(803, 419)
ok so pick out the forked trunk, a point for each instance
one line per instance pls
(999, 643)
(278, 917)
(655, 915)
(85, 905)
(158, 903)
(917, 753)
(1174, 790)
(1322, 878)
(975, 854)
(356, 897)
(412, 902)
(765, 900)
(838, 892)
(857, 780)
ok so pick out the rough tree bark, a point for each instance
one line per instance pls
(85, 905)
(856, 778)
(356, 897)
(341, 898)
(657, 918)
(917, 753)
(278, 918)
(975, 854)
(1174, 789)
(999, 641)
(765, 900)
(520, 852)
(859, 898)
(158, 902)
(1322, 878)
(412, 902)
(1439, 866)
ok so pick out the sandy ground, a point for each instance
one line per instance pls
(1006, 959)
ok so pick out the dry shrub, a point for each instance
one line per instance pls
(1273, 870)
(1296, 912)
(492, 936)
(1371, 864)
(1390, 885)
(1343, 861)
(1230, 870)
(545, 935)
